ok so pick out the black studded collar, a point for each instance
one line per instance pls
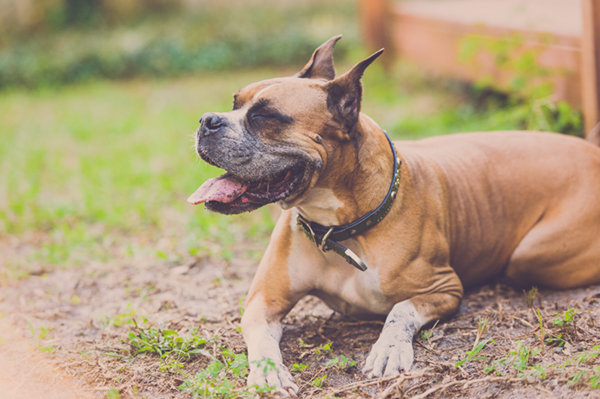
(327, 237)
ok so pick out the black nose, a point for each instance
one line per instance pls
(210, 123)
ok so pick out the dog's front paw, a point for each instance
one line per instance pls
(265, 372)
(389, 357)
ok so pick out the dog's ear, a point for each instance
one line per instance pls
(345, 93)
(320, 65)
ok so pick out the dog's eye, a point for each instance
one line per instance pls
(257, 117)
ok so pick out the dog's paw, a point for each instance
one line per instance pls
(389, 357)
(267, 373)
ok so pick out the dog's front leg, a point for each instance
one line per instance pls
(393, 351)
(262, 332)
(272, 295)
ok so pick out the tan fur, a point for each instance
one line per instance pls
(273, 273)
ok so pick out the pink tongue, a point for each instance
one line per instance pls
(222, 189)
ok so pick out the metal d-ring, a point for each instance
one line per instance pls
(308, 232)
(324, 240)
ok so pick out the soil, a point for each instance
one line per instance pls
(81, 318)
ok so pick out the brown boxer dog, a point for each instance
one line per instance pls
(372, 232)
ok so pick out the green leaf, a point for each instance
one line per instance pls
(113, 393)
(471, 355)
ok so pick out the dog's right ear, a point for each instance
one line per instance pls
(345, 93)
(320, 65)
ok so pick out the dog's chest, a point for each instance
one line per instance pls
(328, 276)
(350, 291)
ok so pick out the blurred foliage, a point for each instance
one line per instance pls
(519, 72)
(83, 45)
(77, 12)
(100, 171)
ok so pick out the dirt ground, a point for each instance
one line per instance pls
(79, 319)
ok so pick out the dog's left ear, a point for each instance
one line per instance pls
(320, 65)
(345, 93)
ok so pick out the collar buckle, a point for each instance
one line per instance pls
(324, 246)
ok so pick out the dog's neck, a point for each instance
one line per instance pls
(361, 186)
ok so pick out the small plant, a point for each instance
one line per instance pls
(242, 305)
(172, 348)
(318, 382)
(472, 354)
(522, 355)
(567, 324)
(590, 376)
(595, 379)
(113, 393)
(530, 296)
(585, 356)
(567, 319)
(225, 379)
(575, 378)
(426, 335)
(321, 349)
(520, 360)
(542, 333)
(342, 362)
(558, 340)
(123, 318)
(43, 335)
(298, 367)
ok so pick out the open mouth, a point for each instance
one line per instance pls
(228, 194)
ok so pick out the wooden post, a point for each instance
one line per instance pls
(590, 64)
(374, 17)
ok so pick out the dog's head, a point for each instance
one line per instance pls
(276, 142)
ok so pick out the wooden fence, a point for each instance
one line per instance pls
(430, 33)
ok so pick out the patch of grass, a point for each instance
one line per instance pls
(172, 348)
(224, 378)
(44, 334)
(85, 167)
(522, 361)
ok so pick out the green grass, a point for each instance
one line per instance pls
(101, 171)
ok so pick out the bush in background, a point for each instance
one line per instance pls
(85, 43)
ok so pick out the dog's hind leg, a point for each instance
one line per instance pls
(562, 251)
